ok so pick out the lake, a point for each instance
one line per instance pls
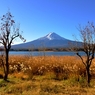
(42, 53)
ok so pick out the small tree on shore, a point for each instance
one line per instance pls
(8, 32)
(88, 47)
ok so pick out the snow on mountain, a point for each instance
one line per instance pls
(51, 36)
(51, 40)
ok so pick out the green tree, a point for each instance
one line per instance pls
(8, 32)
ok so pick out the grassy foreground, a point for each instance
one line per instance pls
(47, 75)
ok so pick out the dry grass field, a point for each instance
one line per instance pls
(47, 75)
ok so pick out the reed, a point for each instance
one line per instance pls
(47, 75)
(63, 67)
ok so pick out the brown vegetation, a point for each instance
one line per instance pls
(47, 75)
(40, 65)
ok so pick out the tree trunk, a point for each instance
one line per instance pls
(6, 66)
(88, 75)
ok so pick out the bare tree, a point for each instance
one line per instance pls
(8, 32)
(88, 47)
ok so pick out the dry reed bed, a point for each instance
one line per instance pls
(23, 68)
(61, 66)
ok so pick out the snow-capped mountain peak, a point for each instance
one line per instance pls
(49, 36)
(52, 36)
(51, 40)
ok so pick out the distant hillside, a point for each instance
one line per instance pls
(51, 40)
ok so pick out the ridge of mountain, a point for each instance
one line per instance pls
(51, 36)
(51, 40)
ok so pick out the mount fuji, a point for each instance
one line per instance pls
(51, 36)
(51, 40)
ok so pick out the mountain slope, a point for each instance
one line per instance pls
(52, 36)
(52, 40)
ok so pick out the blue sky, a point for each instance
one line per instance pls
(40, 17)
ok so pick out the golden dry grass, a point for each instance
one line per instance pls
(47, 75)
(61, 66)
(41, 64)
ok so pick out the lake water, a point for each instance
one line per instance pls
(39, 53)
